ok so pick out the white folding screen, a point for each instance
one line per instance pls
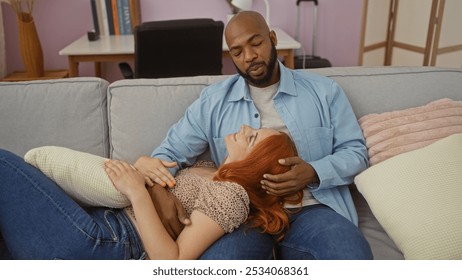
(411, 33)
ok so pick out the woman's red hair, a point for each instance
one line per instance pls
(267, 211)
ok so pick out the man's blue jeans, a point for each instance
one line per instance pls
(39, 221)
(316, 233)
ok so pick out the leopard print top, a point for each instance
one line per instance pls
(226, 203)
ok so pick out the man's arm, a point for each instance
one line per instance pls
(186, 139)
(349, 153)
(297, 178)
(347, 158)
(170, 210)
(155, 170)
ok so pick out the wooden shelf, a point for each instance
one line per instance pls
(50, 74)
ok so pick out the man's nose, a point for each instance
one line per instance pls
(249, 55)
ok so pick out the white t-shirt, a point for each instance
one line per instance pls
(269, 118)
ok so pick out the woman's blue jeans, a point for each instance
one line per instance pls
(316, 233)
(39, 221)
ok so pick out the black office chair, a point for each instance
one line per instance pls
(176, 48)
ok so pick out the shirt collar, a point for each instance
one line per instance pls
(286, 85)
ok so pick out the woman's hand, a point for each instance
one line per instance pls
(297, 178)
(155, 170)
(125, 178)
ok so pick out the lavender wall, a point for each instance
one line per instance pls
(59, 22)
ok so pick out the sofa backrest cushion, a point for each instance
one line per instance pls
(141, 111)
(384, 89)
(67, 112)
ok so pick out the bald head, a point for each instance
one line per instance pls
(252, 47)
(249, 21)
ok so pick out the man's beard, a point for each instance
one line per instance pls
(270, 69)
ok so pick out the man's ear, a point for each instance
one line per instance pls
(273, 37)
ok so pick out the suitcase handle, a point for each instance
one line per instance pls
(315, 1)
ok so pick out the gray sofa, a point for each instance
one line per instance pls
(128, 118)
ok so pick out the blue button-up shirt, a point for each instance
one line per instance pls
(316, 112)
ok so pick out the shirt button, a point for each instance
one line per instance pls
(256, 115)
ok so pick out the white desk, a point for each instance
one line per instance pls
(122, 48)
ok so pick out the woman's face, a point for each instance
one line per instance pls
(241, 143)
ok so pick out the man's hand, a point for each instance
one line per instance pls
(300, 175)
(169, 209)
(155, 170)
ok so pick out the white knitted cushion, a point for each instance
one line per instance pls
(417, 197)
(81, 175)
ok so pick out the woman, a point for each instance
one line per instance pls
(39, 221)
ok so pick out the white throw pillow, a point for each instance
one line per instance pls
(81, 175)
(417, 198)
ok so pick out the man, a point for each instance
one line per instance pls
(313, 110)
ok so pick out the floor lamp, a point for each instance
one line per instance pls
(247, 5)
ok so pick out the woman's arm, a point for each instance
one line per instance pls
(193, 240)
